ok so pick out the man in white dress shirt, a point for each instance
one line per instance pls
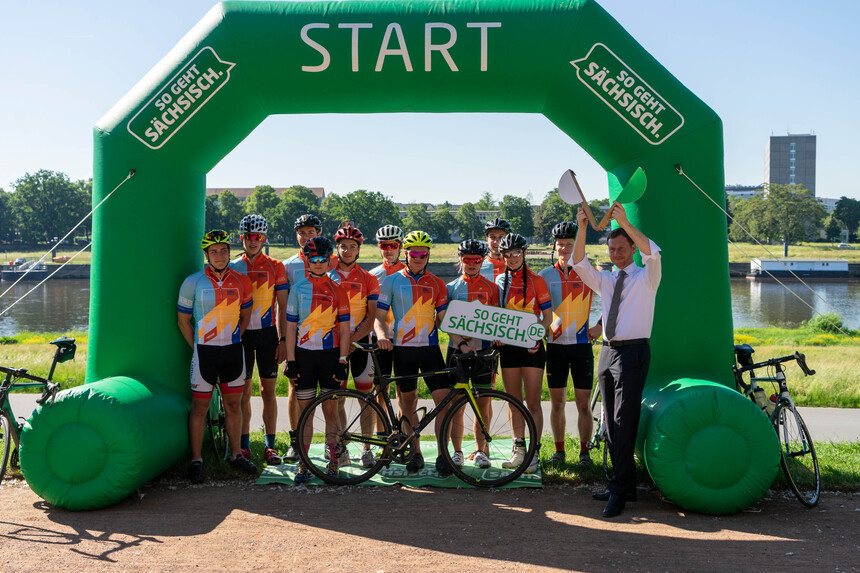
(628, 296)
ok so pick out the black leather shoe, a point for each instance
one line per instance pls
(614, 507)
(604, 496)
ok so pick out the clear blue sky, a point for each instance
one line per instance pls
(766, 67)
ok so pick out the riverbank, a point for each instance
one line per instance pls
(835, 358)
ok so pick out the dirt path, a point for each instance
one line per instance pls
(241, 527)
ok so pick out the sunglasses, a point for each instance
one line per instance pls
(255, 236)
(415, 255)
(514, 254)
(318, 259)
(472, 260)
(389, 246)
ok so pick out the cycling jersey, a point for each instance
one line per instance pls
(380, 273)
(361, 287)
(478, 288)
(268, 276)
(571, 305)
(535, 300)
(296, 267)
(215, 305)
(415, 300)
(491, 268)
(317, 305)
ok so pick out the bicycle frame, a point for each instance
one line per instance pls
(460, 387)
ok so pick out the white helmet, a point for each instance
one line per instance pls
(253, 224)
(390, 233)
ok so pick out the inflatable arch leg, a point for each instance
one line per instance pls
(568, 60)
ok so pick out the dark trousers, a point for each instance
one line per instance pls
(621, 373)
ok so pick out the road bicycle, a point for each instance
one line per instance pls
(494, 420)
(600, 432)
(797, 451)
(10, 426)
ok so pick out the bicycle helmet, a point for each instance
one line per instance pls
(498, 223)
(214, 237)
(564, 230)
(389, 233)
(513, 241)
(472, 247)
(317, 246)
(417, 239)
(349, 232)
(253, 224)
(308, 220)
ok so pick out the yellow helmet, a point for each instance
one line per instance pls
(417, 239)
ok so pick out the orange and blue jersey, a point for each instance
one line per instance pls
(215, 305)
(361, 287)
(267, 278)
(380, 272)
(414, 300)
(492, 268)
(571, 305)
(318, 305)
(477, 288)
(535, 300)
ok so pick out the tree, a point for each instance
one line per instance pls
(417, 218)
(368, 210)
(781, 212)
(443, 223)
(847, 211)
(468, 224)
(486, 202)
(552, 211)
(832, 228)
(7, 218)
(232, 211)
(295, 202)
(47, 205)
(519, 213)
(263, 201)
(212, 217)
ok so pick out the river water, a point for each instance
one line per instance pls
(63, 305)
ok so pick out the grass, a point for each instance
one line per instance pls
(836, 360)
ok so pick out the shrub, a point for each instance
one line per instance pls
(829, 323)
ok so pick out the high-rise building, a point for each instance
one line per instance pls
(790, 159)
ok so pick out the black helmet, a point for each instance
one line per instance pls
(513, 241)
(497, 223)
(473, 247)
(316, 246)
(308, 221)
(564, 230)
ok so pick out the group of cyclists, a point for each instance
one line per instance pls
(307, 311)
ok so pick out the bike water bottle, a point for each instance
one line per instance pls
(771, 404)
(760, 399)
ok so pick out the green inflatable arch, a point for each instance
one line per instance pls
(569, 60)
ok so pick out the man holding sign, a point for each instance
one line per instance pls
(623, 367)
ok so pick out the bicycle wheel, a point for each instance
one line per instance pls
(216, 421)
(5, 443)
(355, 417)
(798, 459)
(507, 414)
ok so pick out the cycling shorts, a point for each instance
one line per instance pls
(576, 359)
(413, 359)
(264, 343)
(518, 357)
(224, 365)
(486, 380)
(317, 368)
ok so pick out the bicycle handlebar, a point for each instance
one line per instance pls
(799, 357)
(49, 391)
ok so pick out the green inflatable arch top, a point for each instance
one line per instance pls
(567, 60)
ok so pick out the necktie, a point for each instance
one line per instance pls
(612, 317)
